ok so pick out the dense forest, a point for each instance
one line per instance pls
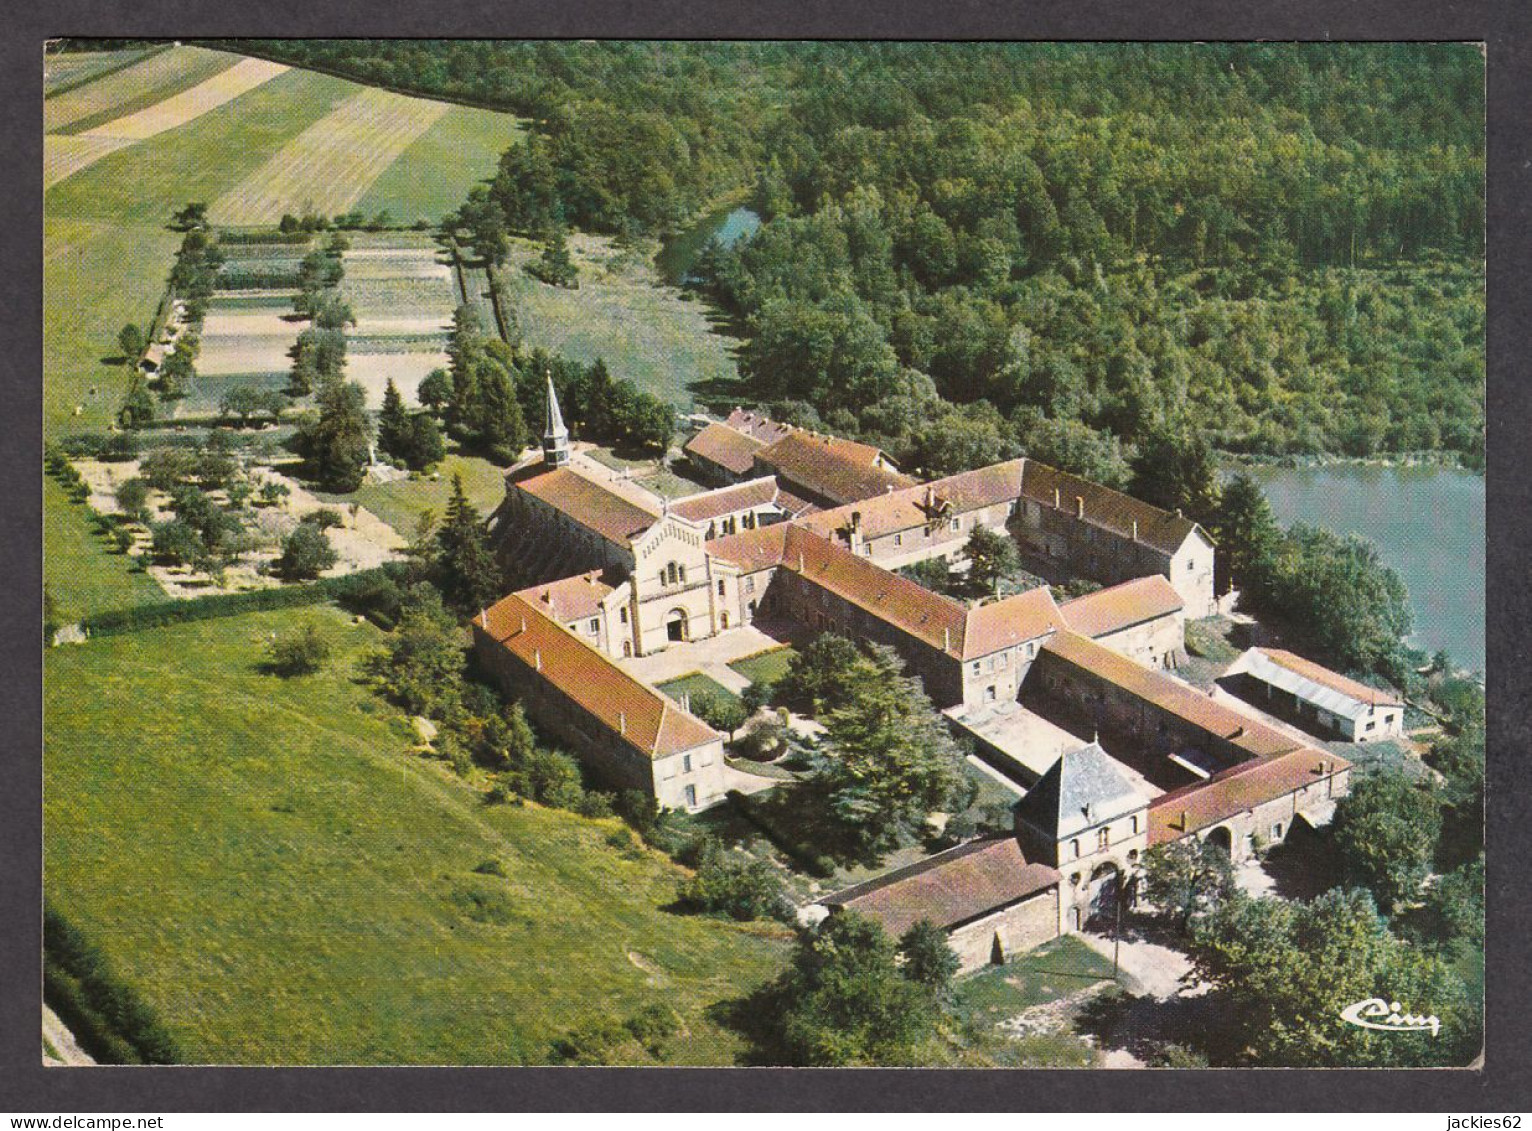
(971, 250)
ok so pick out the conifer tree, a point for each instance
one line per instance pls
(393, 423)
(470, 574)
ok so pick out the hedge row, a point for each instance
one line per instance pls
(106, 1015)
(163, 613)
(813, 862)
(270, 236)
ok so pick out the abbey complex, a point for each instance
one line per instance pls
(1075, 703)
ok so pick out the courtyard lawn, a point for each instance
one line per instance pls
(694, 684)
(433, 176)
(769, 665)
(285, 884)
(622, 313)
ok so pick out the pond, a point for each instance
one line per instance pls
(1428, 524)
(726, 225)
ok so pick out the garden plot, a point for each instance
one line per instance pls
(329, 166)
(246, 337)
(403, 300)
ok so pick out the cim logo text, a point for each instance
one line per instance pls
(1389, 1017)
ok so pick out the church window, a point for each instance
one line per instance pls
(681, 574)
(691, 796)
(957, 524)
(1103, 839)
(976, 667)
(624, 614)
(1135, 826)
(720, 587)
(898, 539)
(686, 763)
(1074, 847)
(749, 585)
(595, 625)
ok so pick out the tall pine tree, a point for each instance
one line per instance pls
(394, 424)
(470, 575)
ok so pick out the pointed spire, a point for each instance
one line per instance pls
(555, 435)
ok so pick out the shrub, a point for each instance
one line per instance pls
(734, 885)
(306, 553)
(490, 867)
(299, 653)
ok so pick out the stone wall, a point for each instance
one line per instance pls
(1018, 928)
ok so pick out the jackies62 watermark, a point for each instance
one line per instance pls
(1389, 1017)
(1484, 1123)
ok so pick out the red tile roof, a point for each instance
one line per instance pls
(930, 617)
(1122, 606)
(920, 505)
(593, 505)
(827, 466)
(1237, 789)
(633, 712)
(1333, 680)
(571, 598)
(950, 888)
(725, 446)
(727, 500)
(1248, 734)
(1107, 509)
(751, 550)
(758, 426)
(1010, 621)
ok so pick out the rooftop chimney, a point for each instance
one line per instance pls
(1135, 530)
(856, 520)
(537, 658)
(1057, 504)
(946, 639)
(1183, 820)
(1079, 506)
(523, 623)
(622, 722)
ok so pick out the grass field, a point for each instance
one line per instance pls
(621, 312)
(285, 884)
(65, 156)
(401, 503)
(97, 578)
(125, 91)
(74, 68)
(329, 166)
(433, 176)
(770, 666)
(190, 104)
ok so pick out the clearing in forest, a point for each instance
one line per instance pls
(329, 166)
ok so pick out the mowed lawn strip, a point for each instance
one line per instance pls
(692, 684)
(433, 176)
(132, 88)
(191, 104)
(145, 183)
(285, 884)
(330, 165)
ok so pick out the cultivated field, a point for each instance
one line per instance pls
(623, 313)
(68, 68)
(403, 299)
(157, 76)
(433, 176)
(321, 880)
(65, 155)
(328, 167)
(178, 109)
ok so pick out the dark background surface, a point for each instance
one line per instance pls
(26, 1087)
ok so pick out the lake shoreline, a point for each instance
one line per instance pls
(1449, 461)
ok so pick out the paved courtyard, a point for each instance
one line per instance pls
(711, 657)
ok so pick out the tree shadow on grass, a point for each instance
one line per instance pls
(753, 1019)
(1144, 1026)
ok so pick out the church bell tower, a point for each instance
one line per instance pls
(555, 435)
